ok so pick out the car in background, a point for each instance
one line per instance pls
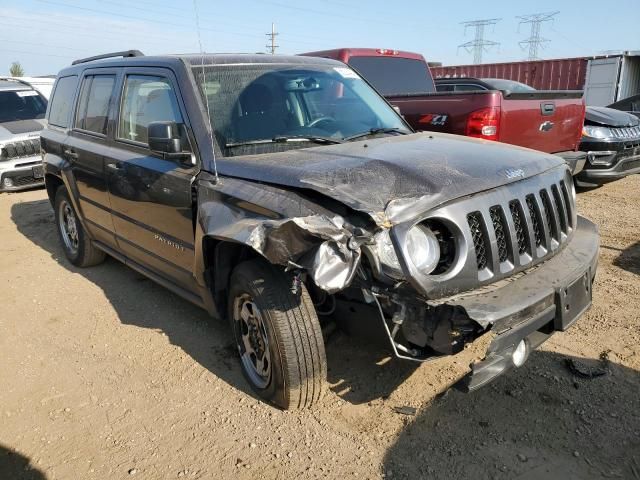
(611, 140)
(43, 84)
(549, 121)
(22, 113)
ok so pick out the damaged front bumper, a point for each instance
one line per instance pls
(522, 311)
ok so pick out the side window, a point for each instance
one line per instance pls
(62, 101)
(146, 99)
(468, 87)
(445, 87)
(93, 106)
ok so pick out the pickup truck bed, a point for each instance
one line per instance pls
(546, 121)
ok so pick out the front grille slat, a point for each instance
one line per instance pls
(536, 221)
(520, 225)
(567, 202)
(480, 243)
(548, 215)
(562, 210)
(500, 229)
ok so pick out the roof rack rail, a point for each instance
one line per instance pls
(19, 80)
(124, 54)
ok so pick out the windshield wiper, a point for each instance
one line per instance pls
(285, 139)
(375, 131)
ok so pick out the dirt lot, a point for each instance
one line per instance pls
(105, 375)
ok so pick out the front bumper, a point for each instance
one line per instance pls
(614, 164)
(23, 174)
(549, 298)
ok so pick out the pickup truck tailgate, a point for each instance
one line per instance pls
(546, 121)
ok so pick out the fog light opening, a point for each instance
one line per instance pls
(7, 182)
(520, 353)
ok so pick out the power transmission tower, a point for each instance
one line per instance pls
(272, 45)
(479, 44)
(535, 41)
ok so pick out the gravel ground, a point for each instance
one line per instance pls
(105, 375)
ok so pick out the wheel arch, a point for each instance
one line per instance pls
(52, 183)
(220, 257)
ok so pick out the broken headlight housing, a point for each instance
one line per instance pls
(423, 251)
(387, 254)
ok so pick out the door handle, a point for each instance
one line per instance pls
(547, 108)
(70, 153)
(114, 165)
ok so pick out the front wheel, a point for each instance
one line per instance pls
(278, 336)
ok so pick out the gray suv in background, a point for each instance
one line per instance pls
(22, 112)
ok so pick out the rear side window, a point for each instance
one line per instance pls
(62, 101)
(146, 99)
(392, 75)
(93, 106)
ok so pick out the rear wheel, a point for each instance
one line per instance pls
(75, 243)
(278, 336)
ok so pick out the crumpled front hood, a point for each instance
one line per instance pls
(20, 130)
(610, 117)
(395, 178)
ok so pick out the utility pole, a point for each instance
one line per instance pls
(535, 41)
(479, 44)
(272, 45)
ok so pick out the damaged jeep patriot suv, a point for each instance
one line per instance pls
(279, 191)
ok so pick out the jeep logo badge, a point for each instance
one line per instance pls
(512, 173)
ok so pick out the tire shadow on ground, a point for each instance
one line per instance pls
(540, 421)
(629, 259)
(15, 466)
(352, 364)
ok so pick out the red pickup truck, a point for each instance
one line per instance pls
(550, 121)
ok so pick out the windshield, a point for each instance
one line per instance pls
(273, 107)
(510, 85)
(393, 75)
(21, 105)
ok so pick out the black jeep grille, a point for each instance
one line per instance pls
(521, 230)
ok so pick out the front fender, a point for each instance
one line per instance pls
(281, 226)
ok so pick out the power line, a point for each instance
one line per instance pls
(479, 45)
(272, 44)
(535, 41)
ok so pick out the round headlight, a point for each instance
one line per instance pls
(423, 249)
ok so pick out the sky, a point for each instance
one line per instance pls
(46, 35)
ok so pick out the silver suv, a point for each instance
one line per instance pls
(22, 112)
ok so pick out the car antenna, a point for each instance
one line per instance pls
(204, 87)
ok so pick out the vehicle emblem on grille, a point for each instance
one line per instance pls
(512, 173)
(546, 126)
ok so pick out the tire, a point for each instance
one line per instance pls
(76, 245)
(285, 332)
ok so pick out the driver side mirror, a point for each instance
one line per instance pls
(164, 138)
